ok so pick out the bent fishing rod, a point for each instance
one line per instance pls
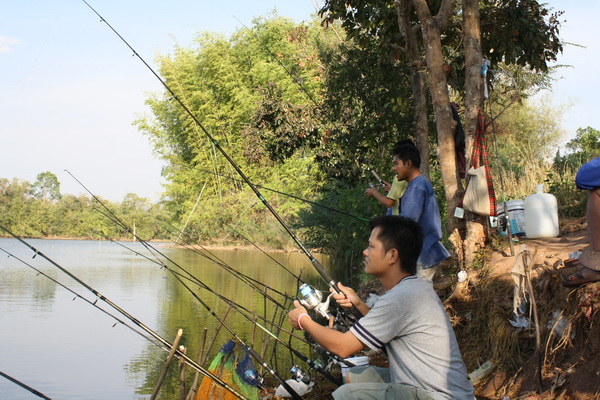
(316, 264)
(130, 317)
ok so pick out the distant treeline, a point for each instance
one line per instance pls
(39, 210)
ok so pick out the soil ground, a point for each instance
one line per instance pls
(555, 357)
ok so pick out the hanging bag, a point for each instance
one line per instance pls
(479, 197)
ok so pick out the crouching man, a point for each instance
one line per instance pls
(408, 322)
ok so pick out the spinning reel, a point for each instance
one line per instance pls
(311, 299)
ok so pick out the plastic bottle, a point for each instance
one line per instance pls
(541, 214)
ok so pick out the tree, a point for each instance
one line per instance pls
(46, 187)
(533, 42)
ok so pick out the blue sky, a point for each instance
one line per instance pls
(70, 89)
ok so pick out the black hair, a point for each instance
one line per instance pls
(402, 234)
(408, 152)
(403, 142)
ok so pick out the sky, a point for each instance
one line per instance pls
(70, 89)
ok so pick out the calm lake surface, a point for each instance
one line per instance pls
(67, 349)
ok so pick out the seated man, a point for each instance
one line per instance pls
(408, 322)
(588, 178)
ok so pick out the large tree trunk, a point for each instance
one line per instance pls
(417, 82)
(431, 28)
(475, 232)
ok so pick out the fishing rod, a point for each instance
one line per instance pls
(248, 280)
(130, 317)
(316, 264)
(243, 277)
(298, 278)
(202, 285)
(24, 386)
(313, 364)
(252, 316)
(153, 250)
(79, 296)
(288, 195)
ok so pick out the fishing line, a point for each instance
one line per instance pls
(267, 254)
(289, 195)
(79, 296)
(214, 258)
(130, 317)
(192, 247)
(153, 250)
(244, 312)
(316, 264)
(316, 365)
(202, 285)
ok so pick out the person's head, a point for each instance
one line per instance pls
(406, 160)
(403, 142)
(394, 236)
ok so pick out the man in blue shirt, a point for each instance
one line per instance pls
(419, 204)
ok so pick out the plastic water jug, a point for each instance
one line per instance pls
(541, 214)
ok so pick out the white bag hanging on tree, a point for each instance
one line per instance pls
(477, 197)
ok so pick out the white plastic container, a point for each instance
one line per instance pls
(541, 214)
(357, 361)
(516, 217)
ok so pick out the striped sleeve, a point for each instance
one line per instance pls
(366, 337)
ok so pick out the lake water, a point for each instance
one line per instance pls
(65, 348)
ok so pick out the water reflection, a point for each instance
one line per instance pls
(69, 350)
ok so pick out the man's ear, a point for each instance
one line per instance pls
(394, 255)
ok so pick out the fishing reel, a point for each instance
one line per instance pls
(311, 299)
(252, 377)
(299, 375)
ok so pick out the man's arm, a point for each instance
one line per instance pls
(342, 344)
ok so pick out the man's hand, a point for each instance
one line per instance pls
(349, 298)
(295, 313)
(371, 192)
(343, 344)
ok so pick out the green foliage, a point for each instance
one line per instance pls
(342, 237)
(561, 179)
(525, 136)
(521, 32)
(29, 215)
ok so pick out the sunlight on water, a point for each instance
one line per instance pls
(65, 348)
